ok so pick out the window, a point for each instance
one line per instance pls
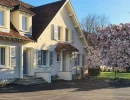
(43, 57)
(51, 59)
(1, 18)
(58, 57)
(59, 33)
(67, 35)
(77, 60)
(2, 56)
(24, 23)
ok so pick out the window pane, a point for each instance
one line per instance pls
(59, 33)
(2, 56)
(67, 34)
(78, 60)
(1, 17)
(51, 58)
(24, 23)
(58, 57)
(43, 57)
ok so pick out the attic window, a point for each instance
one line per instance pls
(1, 18)
(24, 23)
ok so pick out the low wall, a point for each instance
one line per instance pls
(65, 75)
(6, 73)
(46, 76)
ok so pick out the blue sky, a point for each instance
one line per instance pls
(118, 11)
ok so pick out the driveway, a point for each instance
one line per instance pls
(73, 90)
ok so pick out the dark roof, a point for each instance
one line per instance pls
(22, 8)
(14, 34)
(17, 5)
(5, 3)
(44, 15)
(65, 48)
(17, 2)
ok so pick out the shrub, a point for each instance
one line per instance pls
(94, 71)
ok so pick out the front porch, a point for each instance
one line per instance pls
(65, 51)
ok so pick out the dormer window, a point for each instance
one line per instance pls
(1, 18)
(24, 23)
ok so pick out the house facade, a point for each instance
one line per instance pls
(43, 41)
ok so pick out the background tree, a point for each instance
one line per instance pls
(91, 21)
(88, 25)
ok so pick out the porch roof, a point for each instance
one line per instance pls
(65, 47)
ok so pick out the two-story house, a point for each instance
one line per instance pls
(43, 41)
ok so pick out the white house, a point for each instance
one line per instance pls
(43, 41)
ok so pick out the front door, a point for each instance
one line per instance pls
(25, 62)
(64, 62)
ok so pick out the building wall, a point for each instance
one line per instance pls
(45, 41)
(6, 12)
(16, 19)
(8, 71)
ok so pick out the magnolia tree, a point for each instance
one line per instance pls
(111, 48)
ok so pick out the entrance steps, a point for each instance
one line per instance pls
(30, 81)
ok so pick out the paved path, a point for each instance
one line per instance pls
(74, 90)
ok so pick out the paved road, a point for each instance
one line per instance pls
(74, 90)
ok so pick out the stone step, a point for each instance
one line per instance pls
(30, 81)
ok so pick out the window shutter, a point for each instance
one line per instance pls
(83, 60)
(76, 59)
(51, 58)
(38, 58)
(55, 32)
(72, 36)
(12, 56)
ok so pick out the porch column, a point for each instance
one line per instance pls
(67, 62)
(21, 61)
(61, 61)
(32, 62)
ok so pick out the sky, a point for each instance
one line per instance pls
(118, 11)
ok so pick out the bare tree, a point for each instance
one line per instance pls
(91, 21)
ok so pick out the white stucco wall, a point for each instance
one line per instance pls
(45, 41)
(6, 19)
(16, 19)
(7, 71)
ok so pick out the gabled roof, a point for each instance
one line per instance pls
(44, 15)
(20, 7)
(65, 48)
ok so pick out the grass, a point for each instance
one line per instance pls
(111, 75)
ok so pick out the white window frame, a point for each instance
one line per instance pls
(26, 21)
(2, 12)
(5, 57)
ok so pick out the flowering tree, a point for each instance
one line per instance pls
(115, 45)
(111, 45)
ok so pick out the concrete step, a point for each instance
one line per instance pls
(30, 81)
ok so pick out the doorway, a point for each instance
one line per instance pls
(25, 62)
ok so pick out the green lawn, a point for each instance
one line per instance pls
(111, 75)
